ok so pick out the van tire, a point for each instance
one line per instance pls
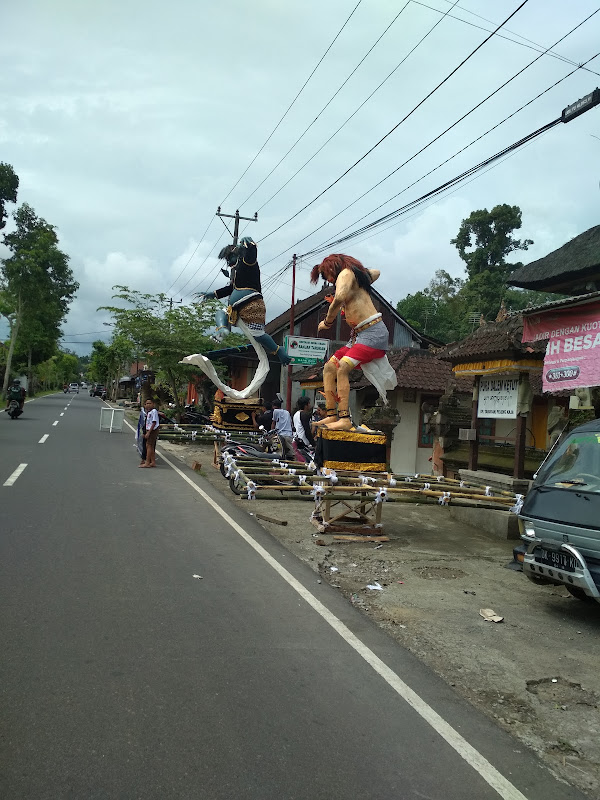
(577, 592)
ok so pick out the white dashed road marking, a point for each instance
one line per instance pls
(15, 475)
(43, 439)
(55, 422)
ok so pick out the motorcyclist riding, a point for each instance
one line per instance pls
(16, 392)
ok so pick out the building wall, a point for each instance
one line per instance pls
(406, 455)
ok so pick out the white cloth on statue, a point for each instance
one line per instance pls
(207, 367)
(381, 374)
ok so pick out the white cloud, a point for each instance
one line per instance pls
(128, 134)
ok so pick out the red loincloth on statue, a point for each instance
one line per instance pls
(360, 353)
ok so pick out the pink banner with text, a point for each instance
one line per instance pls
(573, 351)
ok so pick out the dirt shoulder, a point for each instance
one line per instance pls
(536, 673)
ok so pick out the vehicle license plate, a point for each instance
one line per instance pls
(555, 558)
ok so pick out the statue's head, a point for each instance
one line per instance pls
(246, 249)
(229, 254)
(330, 268)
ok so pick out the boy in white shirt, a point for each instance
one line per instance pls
(151, 435)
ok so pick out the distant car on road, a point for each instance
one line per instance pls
(97, 390)
(73, 388)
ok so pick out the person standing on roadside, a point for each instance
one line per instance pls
(140, 437)
(151, 435)
(282, 423)
(302, 422)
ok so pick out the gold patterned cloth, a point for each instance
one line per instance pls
(253, 312)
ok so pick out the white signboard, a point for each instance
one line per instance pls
(303, 350)
(498, 396)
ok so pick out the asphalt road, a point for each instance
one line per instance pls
(124, 676)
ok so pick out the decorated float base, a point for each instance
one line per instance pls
(229, 415)
(351, 450)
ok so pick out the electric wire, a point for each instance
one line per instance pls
(434, 200)
(269, 137)
(529, 43)
(410, 113)
(537, 48)
(328, 103)
(458, 152)
(439, 189)
(191, 257)
(190, 279)
(393, 172)
(355, 112)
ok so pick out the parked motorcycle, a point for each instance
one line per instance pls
(191, 416)
(267, 448)
(14, 409)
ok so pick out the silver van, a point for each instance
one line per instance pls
(560, 517)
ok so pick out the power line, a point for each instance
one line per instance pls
(531, 44)
(410, 113)
(536, 47)
(434, 200)
(355, 112)
(269, 137)
(190, 279)
(190, 258)
(393, 172)
(440, 189)
(328, 103)
(260, 151)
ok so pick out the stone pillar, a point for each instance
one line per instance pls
(474, 443)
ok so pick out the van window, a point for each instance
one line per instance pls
(575, 465)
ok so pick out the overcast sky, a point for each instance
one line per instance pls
(129, 122)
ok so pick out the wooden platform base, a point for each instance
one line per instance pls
(357, 514)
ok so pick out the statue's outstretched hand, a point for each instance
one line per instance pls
(202, 296)
(323, 326)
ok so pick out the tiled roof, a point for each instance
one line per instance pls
(303, 307)
(494, 340)
(575, 258)
(415, 369)
(300, 309)
(564, 302)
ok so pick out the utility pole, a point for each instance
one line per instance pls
(171, 301)
(237, 218)
(288, 399)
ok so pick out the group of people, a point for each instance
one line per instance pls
(147, 434)
(299, 428)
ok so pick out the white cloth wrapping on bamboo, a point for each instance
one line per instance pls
(207, 367)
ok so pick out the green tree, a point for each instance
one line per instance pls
(38, 283)
(164, 335)
(445, 309)
(485, 238)
(437, 309)
(9, 184)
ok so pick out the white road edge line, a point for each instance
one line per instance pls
(473, 757)
(15, 475)
(43, 439)
(55, 423)
(31, 399)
